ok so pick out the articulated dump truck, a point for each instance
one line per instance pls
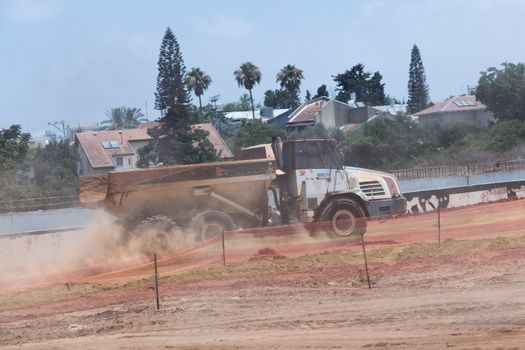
(283, 183)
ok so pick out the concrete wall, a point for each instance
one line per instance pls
(418, 202)
(457, 191)
(434, 183)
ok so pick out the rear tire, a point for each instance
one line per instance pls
(211, 223)
(157, 234)
(343, 217)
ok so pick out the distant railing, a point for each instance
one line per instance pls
(33, 204)
(459, 170)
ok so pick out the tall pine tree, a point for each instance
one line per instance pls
(417, 84)
(175, 142)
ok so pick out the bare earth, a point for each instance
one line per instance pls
(468, 294)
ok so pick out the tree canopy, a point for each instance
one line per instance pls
(198, 81)
(243, 104)
(367, 86)
(14, 145)
(14, 178)
(503, 91)
(279, 98)
(255, 133)
(55, 167)
(418, 98)
(321, 91)
(123, 118)
(247, 76)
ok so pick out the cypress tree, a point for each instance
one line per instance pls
(417, 84)
(175, 142)
(172, 96)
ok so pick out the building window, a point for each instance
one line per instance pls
(119, 161)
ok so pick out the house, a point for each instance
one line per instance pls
(103, 151)
(362, 115)
(464, 109)
(320, 110)
(336, 114)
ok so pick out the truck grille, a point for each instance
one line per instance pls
(372, 188)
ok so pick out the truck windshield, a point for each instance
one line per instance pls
(315, 155)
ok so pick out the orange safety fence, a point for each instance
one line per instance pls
(502, 219)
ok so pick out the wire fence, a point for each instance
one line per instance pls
(250, 255)
(42, 203)
(459, 170)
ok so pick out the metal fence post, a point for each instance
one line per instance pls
(366, 262)
(223, 250)
(439, 225)
(156, 280)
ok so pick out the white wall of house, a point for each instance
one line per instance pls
(84, 166)
(477, 118)
(135, 146)
(326, 115)
(333, 115)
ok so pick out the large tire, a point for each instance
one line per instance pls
(343, 217)
(211, 223)
(157, 234)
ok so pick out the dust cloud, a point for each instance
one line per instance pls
(45, 257)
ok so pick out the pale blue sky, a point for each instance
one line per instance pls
(71, 60)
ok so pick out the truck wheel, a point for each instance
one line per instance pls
(156, 234)
(343, 218)
(211, 223)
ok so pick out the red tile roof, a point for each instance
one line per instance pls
(99, 157)
(220, 146)
(454, 104)
(307, 111)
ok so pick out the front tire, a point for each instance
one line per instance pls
(211, 223)
(343, 217)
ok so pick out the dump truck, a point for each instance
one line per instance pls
(297, 181)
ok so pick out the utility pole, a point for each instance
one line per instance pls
(60, 126)
(213, 101)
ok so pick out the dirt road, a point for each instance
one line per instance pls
(468, 294)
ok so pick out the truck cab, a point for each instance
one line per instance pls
(313, 186)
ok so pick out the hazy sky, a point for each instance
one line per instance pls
(73, 59)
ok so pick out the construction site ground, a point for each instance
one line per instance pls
(468, 293)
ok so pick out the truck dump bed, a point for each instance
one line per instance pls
(180, 189)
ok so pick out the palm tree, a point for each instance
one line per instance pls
(247, 76)
(123, 118)
(198, 81)
(290, 78)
